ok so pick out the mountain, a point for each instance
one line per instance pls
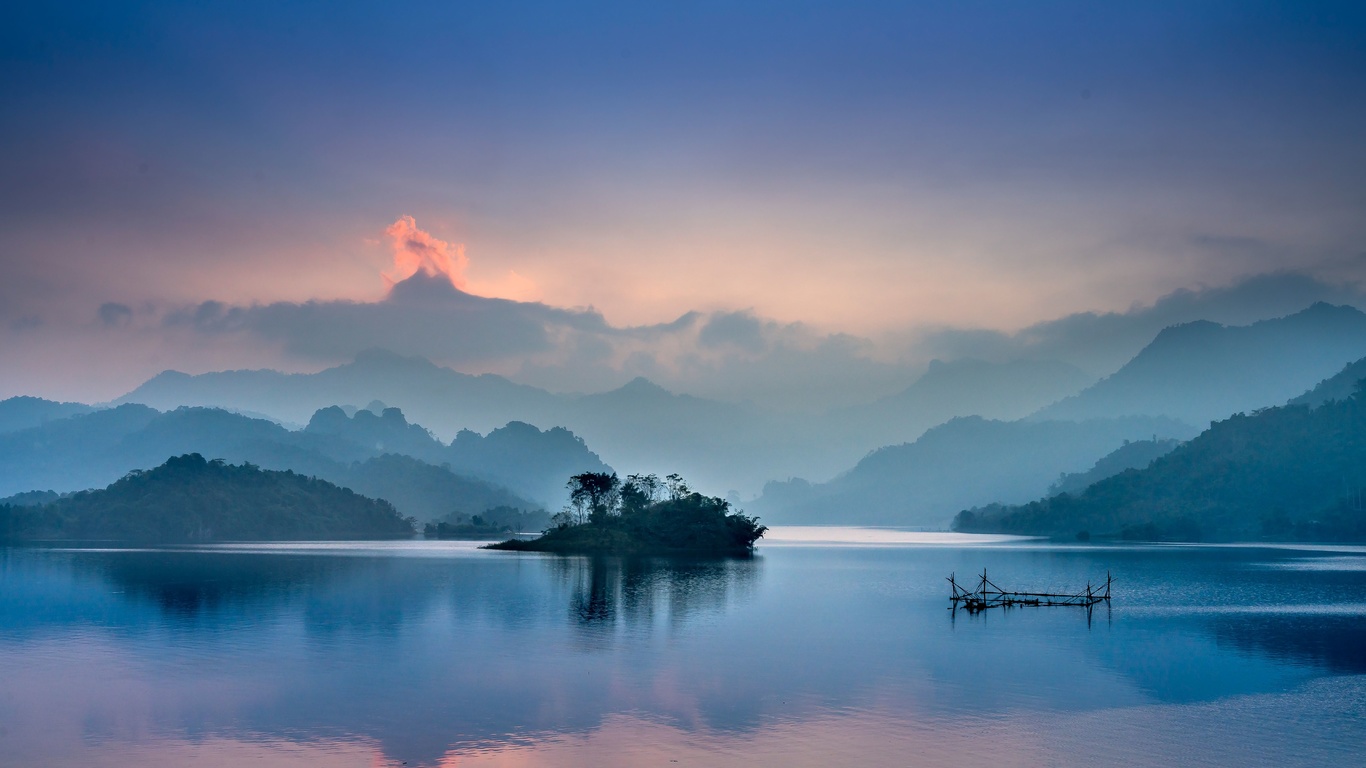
(925, 482)
(640, 425)
(1339, 386)
(425, 491)
(519, 456)
(92, 450)
(645, 428)
(190, 499)
(18, 413)
(1134, 454)
(441, 398)
(1198, 372)
(967, 387)
(1287, 473)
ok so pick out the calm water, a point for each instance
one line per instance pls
(829, 647)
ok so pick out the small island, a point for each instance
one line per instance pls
(642, 516)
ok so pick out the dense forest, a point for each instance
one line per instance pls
(643, 515)
(1290, 473)
(189, 499)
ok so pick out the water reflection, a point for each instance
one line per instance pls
(428, 653)
(1335, 643)
(638, 591)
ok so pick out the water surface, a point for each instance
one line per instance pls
(830, 646)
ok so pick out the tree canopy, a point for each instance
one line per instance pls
(191, 499)
(644, 514)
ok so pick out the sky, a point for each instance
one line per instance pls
(791, 201)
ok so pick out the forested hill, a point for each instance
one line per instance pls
(189, 499)
(1288, 473)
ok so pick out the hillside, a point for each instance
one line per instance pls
(1339, 386)
(18, 413)
(1199, 372)
(1134, 454)
(189, 499)
(1004, 391)
(518, 456)
(725, 444)
(438, 397)
(736, 446)
(1292, 472)
(925, 482)
(93, 450)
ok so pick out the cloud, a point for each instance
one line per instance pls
(418, 251)
(1101, 342)
(115, 315)
(739, 329)
(729, 355)
(422, 315)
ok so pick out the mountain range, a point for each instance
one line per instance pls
(1294, 472)
(965, 433)
(1199, 372)
(379, 455)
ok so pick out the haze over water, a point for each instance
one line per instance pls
(828, 646)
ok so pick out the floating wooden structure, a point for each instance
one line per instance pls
(986, 594)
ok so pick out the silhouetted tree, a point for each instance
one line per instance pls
(594, 494)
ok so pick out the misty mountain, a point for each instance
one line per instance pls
(1339, 386)
(31, 498)
(639, 425)
(1135, 454)
(424, 491)
(18, 413)
(925, 482)
(442, 399)
(1292, 472)
(1199, 372)
(517, 455)
(94, 449)
(968, 387)
(735, 446)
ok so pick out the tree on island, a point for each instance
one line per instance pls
(642, 515)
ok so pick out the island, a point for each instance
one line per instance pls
(642, 516)
(193, 500)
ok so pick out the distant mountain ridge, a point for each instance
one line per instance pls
(92, 450)
(1192, 373)
(1285, 473)
(23, 412)
(1200, 372)
(967, 387)
(720, 444)
(924, 483)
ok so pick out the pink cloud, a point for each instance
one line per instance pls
(416, 249)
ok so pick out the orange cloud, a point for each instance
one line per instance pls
(416, 249)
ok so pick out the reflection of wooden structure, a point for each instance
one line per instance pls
(988, 595)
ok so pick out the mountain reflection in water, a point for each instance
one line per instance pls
(435, 652)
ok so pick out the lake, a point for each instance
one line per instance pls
(830, 646)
